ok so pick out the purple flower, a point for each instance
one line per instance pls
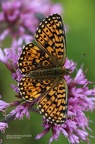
(18, 18)
(10, 57)
(3, 105)
(3, 126)
(18, 22)
(20, 111)
(81, 99)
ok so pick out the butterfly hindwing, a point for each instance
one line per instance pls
(54, 105)
(31, 89)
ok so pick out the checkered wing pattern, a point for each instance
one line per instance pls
(54, 105)
(50, 35)
(33, 58)
(47, 54)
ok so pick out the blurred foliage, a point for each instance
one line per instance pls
(79, 16)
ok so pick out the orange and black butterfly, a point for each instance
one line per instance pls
(42, 63)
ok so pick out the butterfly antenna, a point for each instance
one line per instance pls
(74, 65)
(82, 56)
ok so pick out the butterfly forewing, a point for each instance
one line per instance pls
(51, 36)
(33, 58)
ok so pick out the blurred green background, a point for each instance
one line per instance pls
(79, 16)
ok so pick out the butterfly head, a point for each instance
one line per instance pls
(66, 71)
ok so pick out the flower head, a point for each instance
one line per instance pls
(19, 20)
(3, 126)
(81, 99)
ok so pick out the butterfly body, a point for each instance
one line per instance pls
(42, 66)
(48, 73)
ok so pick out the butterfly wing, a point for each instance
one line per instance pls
(50, 35)
(33, 58)
(53, 106)
(52, 94)
(51, 51)
(31, 89)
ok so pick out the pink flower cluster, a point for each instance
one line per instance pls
(18, 22)
(18, 19)
(81, 99)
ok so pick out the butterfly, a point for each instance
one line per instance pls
(42, 64)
